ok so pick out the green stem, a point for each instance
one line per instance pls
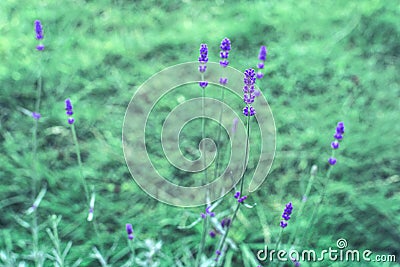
(221, 244)
(78, 155)
(35, 176)
(205, 221)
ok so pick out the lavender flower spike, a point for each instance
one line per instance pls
(39, 34)
(248, 90)
(203, 59)
(286, 214)
(69, 111)
(262, 56)
(129, 230)
(225, 48)
(38, 30)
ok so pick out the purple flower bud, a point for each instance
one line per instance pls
(225, 45)
(224, 63)
(202, 68)
(223, 81)
(263, 53)
(332, 161)
(71, 120)
(246, 111)
(40, 47)
(203, 216)
(335, 144)
(257, 93)
(68, 107)
(286, 214)
(237, 194)
(243, 198)
(203, 84)
(218, 252)
(129, 230)
(36, 115)
(203, 54)
(38, 30)
(260, 65)
(259, 75)
(225, 222)
(212, 234)
(338, 136)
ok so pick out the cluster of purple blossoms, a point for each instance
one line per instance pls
(225, 48)
(248, 90)
(240, 199)
(69, 112)
(338, 137)
(129, 230)
(39, 34)
(203, 59)
(262, 56)
(286, 214)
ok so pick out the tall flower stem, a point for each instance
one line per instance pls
(203, 59)
(205, 220)
(78, 155)
(225, 235)
(35, 162)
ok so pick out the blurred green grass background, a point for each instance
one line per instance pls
(328, 61)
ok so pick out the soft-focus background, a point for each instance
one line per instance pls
(328, 61)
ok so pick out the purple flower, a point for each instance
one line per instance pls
(38, 30)
(218, 252)
(248, 90)
(286, 214)
(203, 84)
(225, 222)
(332, 161)
(36, 115)
(249, 111)
(225, 48)
(212, 234)
(223, 81)
(262, 56)
(237, 194)
(129, 230)
(69, 111)
(335, 144)
(40, 47)
(243, 198)
(212, 214)
(203, 59)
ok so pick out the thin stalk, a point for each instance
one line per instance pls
(205, 220)
(221, 244)
(78, 155)
(35, 176)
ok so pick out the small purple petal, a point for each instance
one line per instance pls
(332, 161)
(36, 115)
